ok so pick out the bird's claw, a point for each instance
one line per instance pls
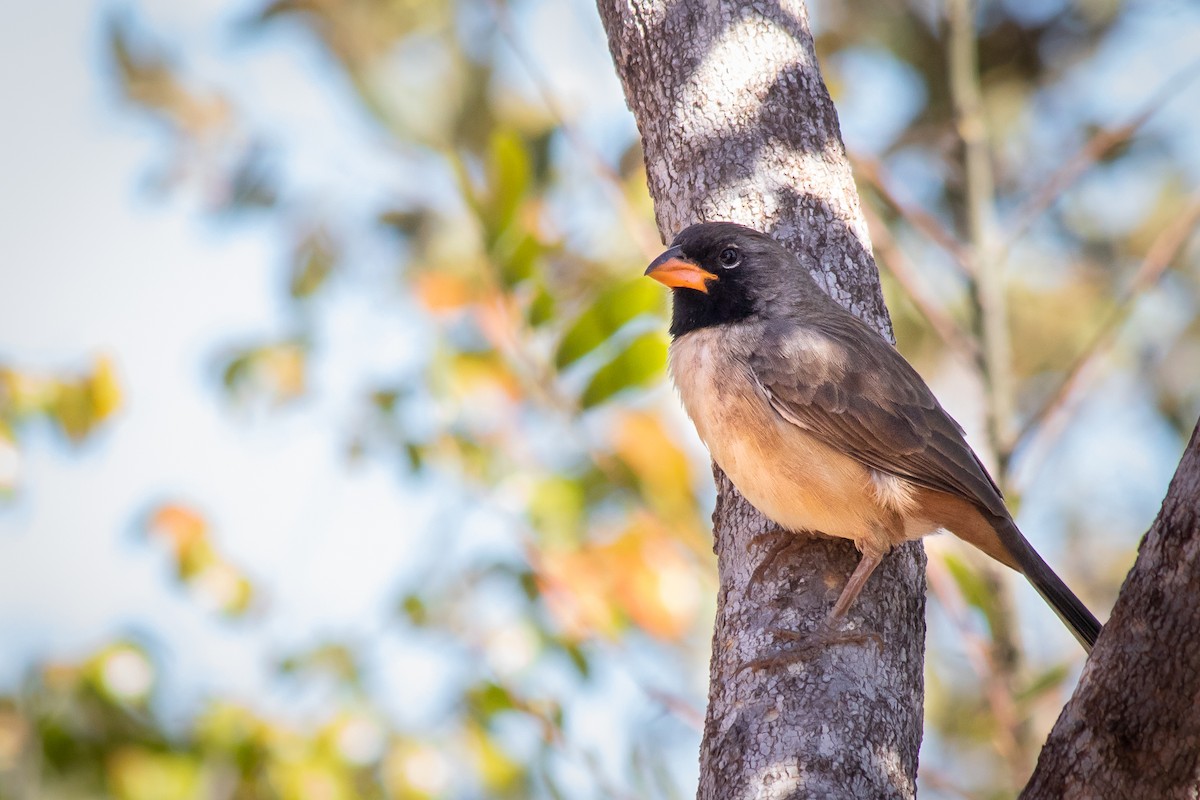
(807, 644)
(777, 542)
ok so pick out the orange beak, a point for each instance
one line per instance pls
(673, 270)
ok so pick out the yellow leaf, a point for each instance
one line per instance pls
(284, 368)
(137, 774)
(654, 580)
(104, 391)
(498, 770)
(643, 576)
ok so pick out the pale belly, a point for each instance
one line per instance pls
(791, 477)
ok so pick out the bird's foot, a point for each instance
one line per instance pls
(776, 542)
(804, 645)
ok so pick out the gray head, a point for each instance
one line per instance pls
(721, 272)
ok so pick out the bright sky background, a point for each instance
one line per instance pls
(96, 265)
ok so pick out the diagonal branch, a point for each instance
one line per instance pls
(888, 252)
(1159, 258)
(873, 172)
(1101, 143)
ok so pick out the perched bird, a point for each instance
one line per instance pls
(819, 422)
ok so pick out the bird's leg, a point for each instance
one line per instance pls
(858, 579)
(807, 644)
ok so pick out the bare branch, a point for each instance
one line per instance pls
(891, 256)
(678, 706)
(873, 172)
(1101, 143)
(990, 284)
(991, 295)
(1159, 257)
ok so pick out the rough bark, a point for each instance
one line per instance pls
(737, 125)
(1132, 727)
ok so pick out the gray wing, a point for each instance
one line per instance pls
(853, 391)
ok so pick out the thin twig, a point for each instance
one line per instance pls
(1101, 143)
(991, 298)
(893, 258)
(990, 285)
(677, 705)
(647, 240)
(1162, 253)
(874, 173)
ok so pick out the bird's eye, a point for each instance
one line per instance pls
(730, 257)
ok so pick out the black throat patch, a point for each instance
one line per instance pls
(726, 301)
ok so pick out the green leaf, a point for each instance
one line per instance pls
(641, 363)
(973, 588)
(414, 608)
(137, 773)
(414, 455)
(489, 699)
(313, 263)
(404, 221)
(1044, 682)
(385, 400)
(516, 262)
(333, 660)
(541, 307)
(608, 314)
(556, 510)
(578, 658)
(509, 173)
(529, 585)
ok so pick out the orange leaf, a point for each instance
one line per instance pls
(643, 576)
(642, 443)
(178, 526)
(440, 292)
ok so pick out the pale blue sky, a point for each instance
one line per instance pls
(94, 266)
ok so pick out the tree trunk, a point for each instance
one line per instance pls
(1132, 727)
(737, 125)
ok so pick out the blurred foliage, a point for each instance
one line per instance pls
(536, 393)
(74, 405)
(198, 564)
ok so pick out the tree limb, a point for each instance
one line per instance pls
(737, 125)
(1132, 728)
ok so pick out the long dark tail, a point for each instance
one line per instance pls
(1070, 609)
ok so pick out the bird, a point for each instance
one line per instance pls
(819, 422)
